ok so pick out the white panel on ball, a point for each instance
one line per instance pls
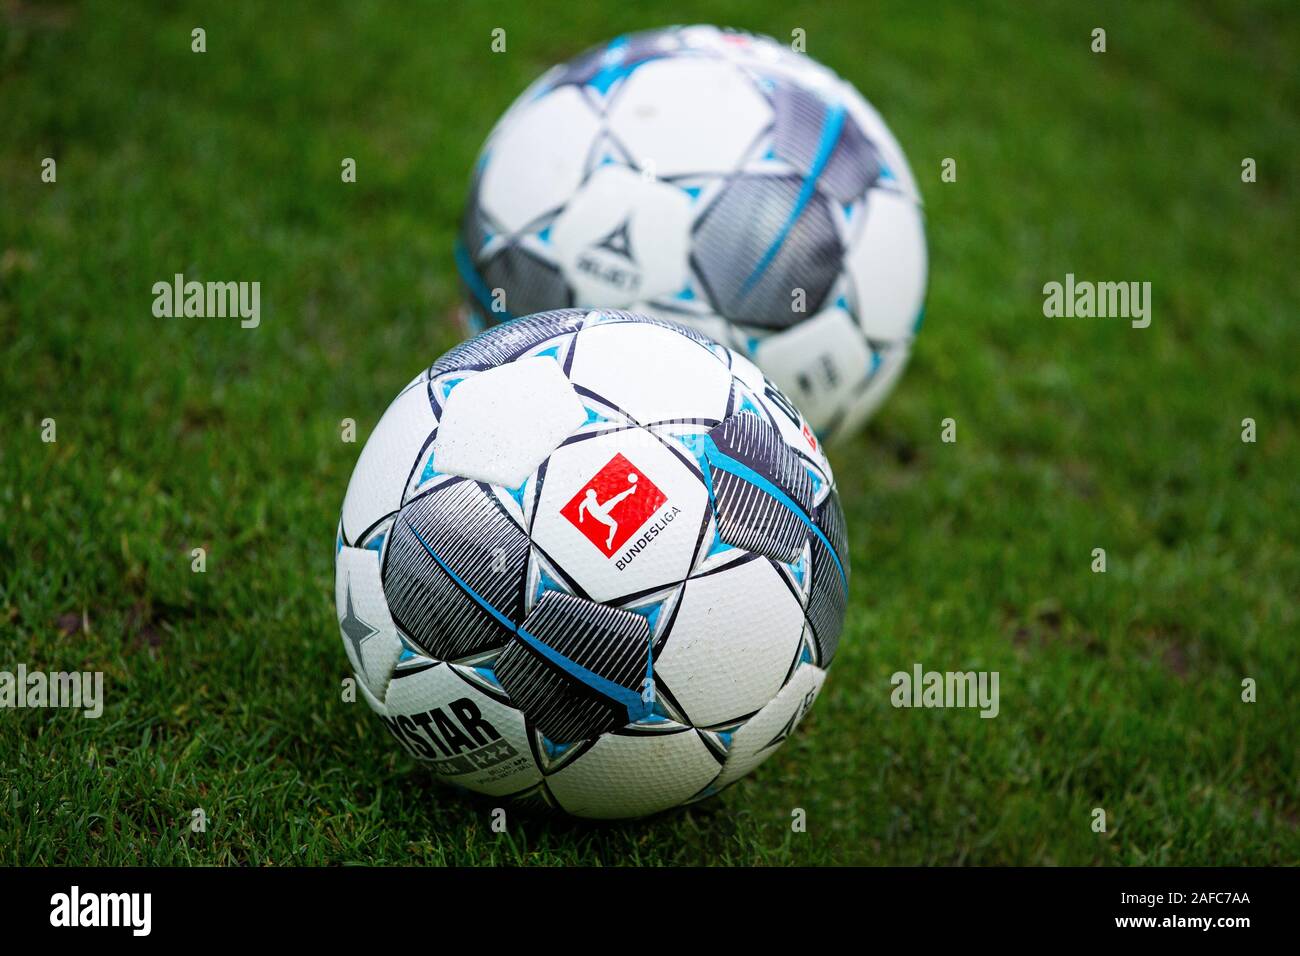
(892, 362)
(379, 478)
(624, 237)
(536, 161)
(887, 264)
(369, 636)
(632, 776)
(681, 116)
(652, 373)
(734, 639)
(483, 435)
(762, 734)
(819, 362)
(748, 373)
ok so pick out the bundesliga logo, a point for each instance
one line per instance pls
(614, 505)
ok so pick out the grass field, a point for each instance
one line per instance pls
(1119, 690)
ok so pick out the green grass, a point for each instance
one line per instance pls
(1119, 690)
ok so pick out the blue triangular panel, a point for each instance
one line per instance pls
(429, 471)
(799, 569)
(552, 748)
(518, 493)
(547, 583)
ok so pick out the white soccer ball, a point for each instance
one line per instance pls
(593, 558)
(718, 179)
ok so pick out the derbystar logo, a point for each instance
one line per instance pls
(614, 505)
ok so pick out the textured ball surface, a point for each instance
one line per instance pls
(718, 179)
(592, 558)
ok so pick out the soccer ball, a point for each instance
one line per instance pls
(718, 179)
(591, 558)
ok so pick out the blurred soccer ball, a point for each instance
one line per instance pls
(721, 180)
(594, 559)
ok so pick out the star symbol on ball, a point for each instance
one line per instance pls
(355, 630)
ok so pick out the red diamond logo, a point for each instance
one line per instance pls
(614, 504)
